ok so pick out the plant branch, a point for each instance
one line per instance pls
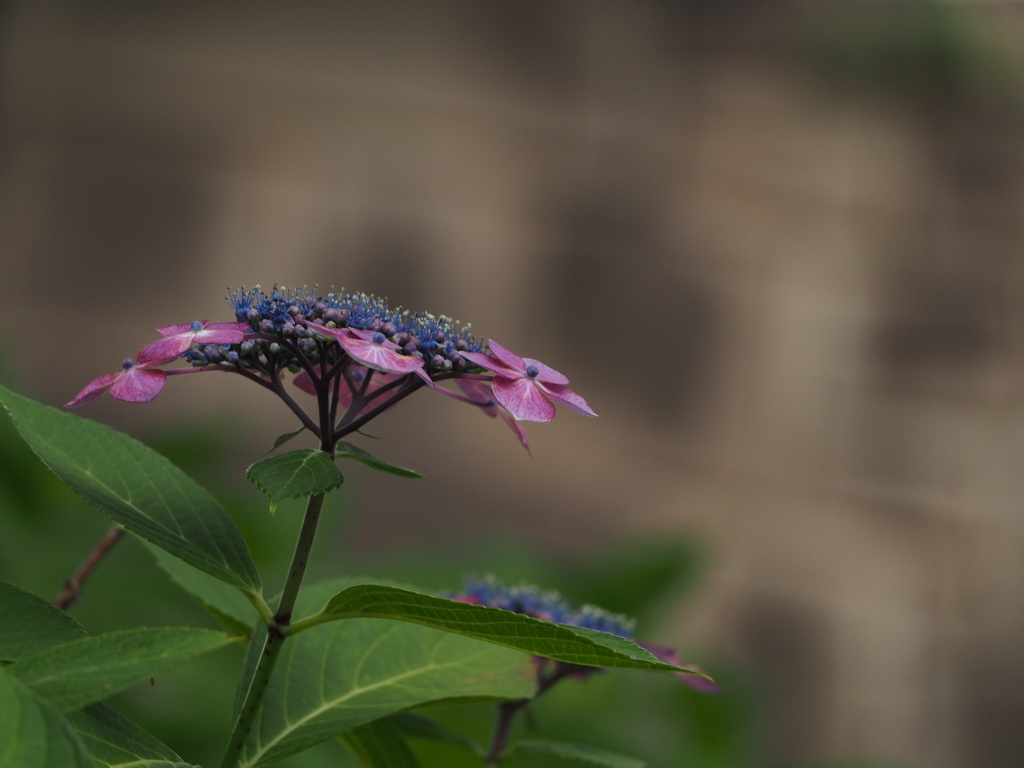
(279, 621)
(275, 633)
(253, 697)
(345, 428)
(508, 710)
(279, 390)
(73, 586)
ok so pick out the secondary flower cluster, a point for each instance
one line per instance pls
(549, 605)
(351, 350)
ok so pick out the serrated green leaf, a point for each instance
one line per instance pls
(116, 742)
(573, 645)
(418, 727)
(346, 450)
(333, 678)
(91, 669)
(138, 488)
(581, 753)
(380, 745)
(33, 734)
(30, 624)
(224, 602)
(294, 474)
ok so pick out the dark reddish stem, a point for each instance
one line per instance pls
(348, 427)
(73, 586)
(508, 710)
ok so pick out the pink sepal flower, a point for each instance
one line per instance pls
(133, 384)
(374, 351)
(527, 387)
(478, 393)
(670, 656)
(180, 338)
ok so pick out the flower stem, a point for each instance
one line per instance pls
(275, 637)
(254, 697)
(507, 712)
(300, 559)
(73, 586)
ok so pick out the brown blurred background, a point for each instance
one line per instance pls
(776, 245)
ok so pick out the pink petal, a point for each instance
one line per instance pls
(336, 333)
(165, 350)
(509, 358)
(243, 327)
(491, 364)
(233, 333)
(379, 357)
(93, 390)
(305, 383)
(669, 656)
(566, 397)
(366, 334)
(480, 393)
(174, 330)
(514, 425)
(486, 405)
(546, 373)
(522, 399)
(138, 385)
(426, 377)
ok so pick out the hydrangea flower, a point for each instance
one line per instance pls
(374, 350)
(356, 353)
(549, 605)
(526, 386)
(478, 393)
(180, 338)
(546, 605)
(134, 383)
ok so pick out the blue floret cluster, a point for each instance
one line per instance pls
(545, 604)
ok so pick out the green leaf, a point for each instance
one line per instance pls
(579, 752)
(419, 727)
(224, 602)
(116, 742)
(91, 669)
(282, 439)
(346, 450)
(333, 678)
(573, 645)
(31, 624)
(297, 473)
(33, 734)
(380, 745)
(138, 488)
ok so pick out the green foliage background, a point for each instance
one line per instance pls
(47, 531)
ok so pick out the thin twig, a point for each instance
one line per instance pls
(73, 586)
(508, 710)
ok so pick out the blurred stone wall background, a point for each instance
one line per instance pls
(776, 245)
